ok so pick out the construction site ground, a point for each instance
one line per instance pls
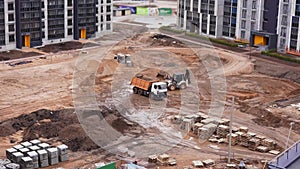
(37, 98)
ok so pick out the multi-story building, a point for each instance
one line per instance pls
(33, 23)
(288, 27)
(252, 21)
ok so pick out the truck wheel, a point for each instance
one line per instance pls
(182, 86)
(140, 91)
(135, 90)
(151, 96)
(172, 87)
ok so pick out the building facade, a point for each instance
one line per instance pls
(25, 23)
(270, 23)
(288, 26)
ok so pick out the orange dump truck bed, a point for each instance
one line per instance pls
(142, 83)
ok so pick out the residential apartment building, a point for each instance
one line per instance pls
(254, 21)
(33, 23)
(288, 26)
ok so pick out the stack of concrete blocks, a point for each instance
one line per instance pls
(9, 153)
(12, 166)
(35, 158)
(4, 162)
(243, 129)
(44, 145)
(152, 159)
(268, 143)
(253, 144)
(260, 137)
(202, 116)
(53, 155)
(18, 147)
(207, 130)
(35, 142)
(225, 122)
(17, 156)
(24, 150)
(26, 144)
(262, 149)
(163, 159)
(186, 124)
(239, 136)
(245, 138)
(26, 163)
(63, 153)
(196, 127)
(234, 139)
(222, 131)
(34, 148)
(43, 158)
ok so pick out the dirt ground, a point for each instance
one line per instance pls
(38, 98)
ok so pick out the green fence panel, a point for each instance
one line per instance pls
(142, 11)
(165, 11)
(108, 166)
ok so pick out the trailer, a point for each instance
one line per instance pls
(154, 89)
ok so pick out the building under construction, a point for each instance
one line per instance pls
(40, 22)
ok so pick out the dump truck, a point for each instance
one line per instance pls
(154, 89)
(177, 80)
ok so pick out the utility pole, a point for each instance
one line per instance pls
(230, 130)
(287, 141)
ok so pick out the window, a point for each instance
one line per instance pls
(11, 38)
(243, 34)
(11, 17)
(253, 15)
(244, 13)
(43, 34)
(108, 26)
(254, 4)
(108, 9)
(107, 17)
(284, 20)
(101, 9)
(11, 28)
(243, 24)
(10, 6)
(252, 25)
(69, 22)
(70, 31)
(283, 32)
(69, 2)
(244, 3)
(108, 1)
(69, 12)
(101, 18)
(101, 27)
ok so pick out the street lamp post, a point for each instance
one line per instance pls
(287, 141)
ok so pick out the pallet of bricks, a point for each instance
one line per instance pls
(35, 154)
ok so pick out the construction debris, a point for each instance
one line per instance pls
(208, 162)
(197, 163)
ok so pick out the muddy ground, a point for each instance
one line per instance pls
(44, 85)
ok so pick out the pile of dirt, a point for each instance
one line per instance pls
(15, 54)
(164, 40)
(63, 125)
(267, 118)
(54, 48)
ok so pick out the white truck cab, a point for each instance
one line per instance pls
(159, 89)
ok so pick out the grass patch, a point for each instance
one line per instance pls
(167, 28)
(195, 35)
(274, 54)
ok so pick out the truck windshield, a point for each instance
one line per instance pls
(162, 86)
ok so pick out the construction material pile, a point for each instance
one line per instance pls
(217, 130)
(34, 154)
